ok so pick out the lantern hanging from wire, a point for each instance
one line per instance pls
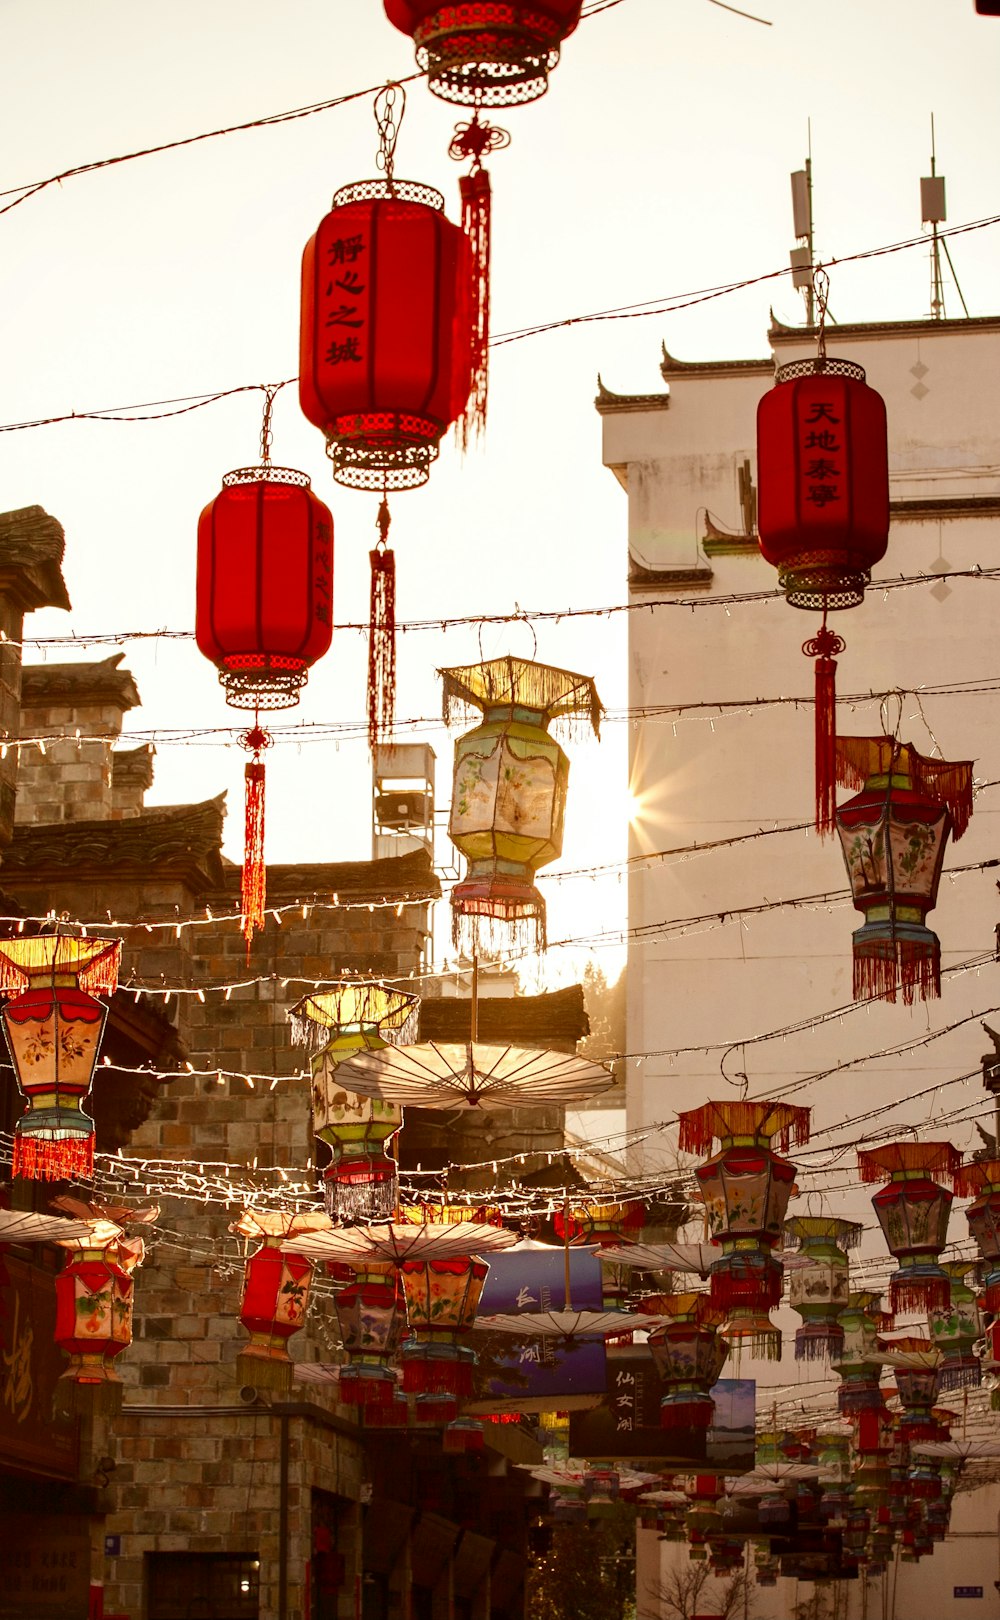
(94, 1303)
(861, 1321)
(509, 794)
(371, 1313)
(916, 1366)
(689, 1353)
(494, 55)
(364, 1016)
(980, 1181)
(893, 835)
(956, 1328)
(823, 509)
(275, 1296)
(745, 1189)
(393, 336)
(610, 1227)
(53, 1025)
(819, 1281)
(442, 1297)
(264, 614)
(913, 1210)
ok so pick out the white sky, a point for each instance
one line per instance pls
(657, 164)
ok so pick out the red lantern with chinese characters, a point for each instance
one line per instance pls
(980, 1181)
(486, 55)
(689, 1354)
(53, 1029)
(823, 511)
(819, 1281)
(264, 613)
(913, 1212)
(442, 1297)
(745, 1189)
(94, 1299)
(275, 1296)
(893, 835)
(371, 1314)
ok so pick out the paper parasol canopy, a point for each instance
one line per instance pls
(567, 1324)
(23, 1226)
(956, 1449)
(696, 1257)
(450, 1075)
(397, 1242)
(767, 1477)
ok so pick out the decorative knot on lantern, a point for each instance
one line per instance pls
(275, 1297)
(371, 1314)
(509, 794)
(913, 1211)
(980, 1181)
(819, 1282)
(893, 835)
(486, 53)
(361, 1181)
(442, 1297)
(823, 508)
(53, 1027)
(94, 1303)
(745, 1190)
(689, 1354)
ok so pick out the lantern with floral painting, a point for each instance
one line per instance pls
(493, 55)
(956, 1328)
(442, 1297)
(689, 1354)
(361, 1181)
(509, 794)
(980, 1181)
(916, 1366)
(53, 1026)
(819, 1281)
(913, 1210)
(94, 1304)
(893, 836)
(745, 1189)
(371, 1316)
(861, 1320)
(610, 1227)
(823, 510)
(275, 1297)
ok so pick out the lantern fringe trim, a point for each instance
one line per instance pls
(885, 964)
(814, 1345)
(821, 647)
(435, 1376)
(45, 1158)
(947, 782)
(476, 223)
(92, 963)
(919, 1294)
(373, 1200)
(764, 1344)
(937, 1159)
(382, 637)
(559, 694)
(779, 1122)
(262, 1370)
(687, 1412)
(494, 927)
(253, 878)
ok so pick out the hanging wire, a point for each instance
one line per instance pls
(388, 126)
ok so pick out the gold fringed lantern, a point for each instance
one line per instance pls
(745, 1189)
(275, 1296)
(819, 1281)
(53, 1028)
(361, 1182)
(913, 1212)
(509, 794)
(94, 1301)
(893, 836)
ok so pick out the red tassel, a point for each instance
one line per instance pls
(253, 885)
(822, 647)
(697, 1413)
(883, 966)
(476, 212)
(382, 637)
(919, 1294)
(38, 1158)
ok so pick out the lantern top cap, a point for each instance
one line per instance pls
(280, 1223)
(383, 190)
(266, 472)
(937, 1159)
(727, 1120)
(978, 1176)
(805, 1229)
(93, 963)
(520, 682)
(819, 366)
(692, 1304)
(365, 1003)
(947, 782)
(911, 1351)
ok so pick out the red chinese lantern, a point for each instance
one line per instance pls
(392, 333)
(264, 614)
(689, 1354)
(745, 1189)
(916, 1366)
(913, 1212)
(823, 511)
(442, 1297)
(893, 836)
(94, 1299)
(371, 1314)
(275, 1295)
(610, 1226)
(53, 1031)
(980, 1180)
(486, 55)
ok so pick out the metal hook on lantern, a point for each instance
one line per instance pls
(741, 1079)
(821, 289)
(388, 126)
(884, 712)
(270, 391)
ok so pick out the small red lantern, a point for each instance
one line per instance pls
(94, 1300)
(275, 1296)
(913, 1212)
(486, 55)
(442, 1297)
(980, 1180)
(823, 510)
(264, 613)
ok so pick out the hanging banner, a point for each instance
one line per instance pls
(625, 1425)
(537, 1373)
(30, 1365)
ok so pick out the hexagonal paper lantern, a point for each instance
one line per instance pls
(442, 1297)
(275, 1295)
(819, 1281)
(956, 1328)
(979, 1180)
(371, 1314)
(94, 1304)
(862, 1321)
(913, 1212)
(689, 1354)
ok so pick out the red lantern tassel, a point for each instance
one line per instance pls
(919, 1294)
(382, 637)
(253, 885)
(476, 213)
(38, 1158)
(822, 647)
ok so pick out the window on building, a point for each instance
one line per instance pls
(202, 1586)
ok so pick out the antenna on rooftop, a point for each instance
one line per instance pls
(801, 257)
(934, 214)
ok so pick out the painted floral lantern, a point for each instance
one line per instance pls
(956, 1328)
(371, 1314)
(862, 1320)
(275, 1297)
(916, 1366)
(442, 1298)
(94, 1304)
(745, 1189)
(509, 794)
(819, 1281)
(361, 1181)
(689, 1354)
(913, 1210)
(893, 836)
(494, 55)
(53, 1024)
(980, 1181)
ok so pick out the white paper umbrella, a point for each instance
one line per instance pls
(399, 1241)
(473, 1075)
(957, 1448)
(769, 1476)
(568, 1324)
(22, 1226)
(696, 1257)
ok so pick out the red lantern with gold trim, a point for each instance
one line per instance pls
(689, 1354)
(442, 1297)
(94, 1300)
(275, 1297)
(492, 54)
(913, 1210)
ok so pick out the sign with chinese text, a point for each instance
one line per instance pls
(626, 1423)
(536, 1373)
(46, 1567)
(821, 426)
(30, 1365)
(967, 1591)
